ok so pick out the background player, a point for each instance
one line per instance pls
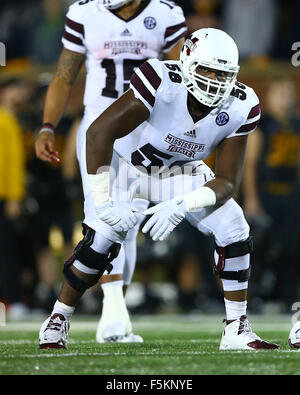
(113, 37)
(153, 120)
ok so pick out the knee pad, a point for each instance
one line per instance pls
(233, 251)
(90, 258)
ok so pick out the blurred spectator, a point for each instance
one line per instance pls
(12, 191)
(32, 29)
(186, 5)
(17, 20)
(45, 41)
(201, 13)
(252, 24)
(287, 31)
(271, 195)
(51, 189)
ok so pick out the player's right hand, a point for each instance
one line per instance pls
(44, 147)
(119, 215)
(165, 217)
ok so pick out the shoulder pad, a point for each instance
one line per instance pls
(248, 108)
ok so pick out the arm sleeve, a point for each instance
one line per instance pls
(176, 28)
(74, 35)
(146, 81)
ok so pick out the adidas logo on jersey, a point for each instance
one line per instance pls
(191, 133)
(126, 33)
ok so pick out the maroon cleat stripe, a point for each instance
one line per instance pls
(51, 346)
(262, 345)
(295, 345)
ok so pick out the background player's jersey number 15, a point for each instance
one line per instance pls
(129, 66)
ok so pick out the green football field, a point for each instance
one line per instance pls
(173, 345)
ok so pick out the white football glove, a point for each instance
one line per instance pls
(166, 216)
(119, 215)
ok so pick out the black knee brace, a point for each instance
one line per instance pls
(90, 258)
(232, 251)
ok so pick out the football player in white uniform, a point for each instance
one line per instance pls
(114, 37)
(150, 143)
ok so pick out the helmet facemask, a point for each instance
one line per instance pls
(113, 4)
(208, 91)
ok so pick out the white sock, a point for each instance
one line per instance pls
(65, 310)
(107, 291)
(114, 306)
(235, 310)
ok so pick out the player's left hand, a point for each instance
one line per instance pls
(44, 147)
(166, 216)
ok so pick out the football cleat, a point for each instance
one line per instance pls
(238, 335)
(132, 338)
(294, 336)
(116, 333)
(54, 332)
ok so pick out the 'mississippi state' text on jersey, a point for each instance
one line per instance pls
(114, 47)
(170, 135)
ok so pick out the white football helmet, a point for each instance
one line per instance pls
(206, 51)
(113, 4)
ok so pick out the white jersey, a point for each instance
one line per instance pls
(115, 47)
(171, 136)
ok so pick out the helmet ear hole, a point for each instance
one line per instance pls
(209, 60)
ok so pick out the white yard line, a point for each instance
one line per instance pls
(78, 342)
(153, 353)
(182, 324)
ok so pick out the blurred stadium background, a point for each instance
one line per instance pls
(40, 220)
